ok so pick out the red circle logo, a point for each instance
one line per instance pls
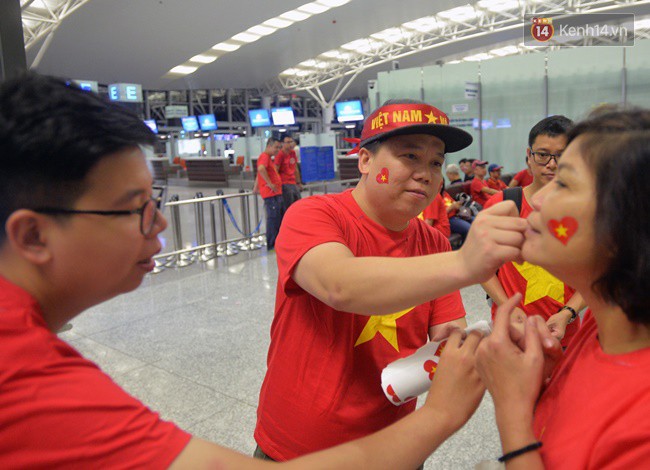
(541, 32)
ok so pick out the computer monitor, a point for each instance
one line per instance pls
(208, 122)
(190, 123)
(151, 123)
(283, 116)
(259, 117)
(347, 111)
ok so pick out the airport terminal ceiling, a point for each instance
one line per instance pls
(153, 42)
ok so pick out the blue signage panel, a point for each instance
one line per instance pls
(259, 117)
(347, 111)
(190, 123)
(208, 122)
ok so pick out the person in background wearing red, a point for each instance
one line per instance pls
(589, 228)
(287, 164)
(480, 191)
(546, 296)
(494, 181)
(269, 184)
(457, 223)
(435, 215)
(521, 179)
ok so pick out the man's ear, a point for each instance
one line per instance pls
(365, 156)
(25, 231)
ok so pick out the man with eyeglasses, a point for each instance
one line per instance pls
(544, 294)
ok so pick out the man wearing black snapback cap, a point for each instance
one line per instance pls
(363, 282)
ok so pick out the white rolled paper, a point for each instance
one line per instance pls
(403, 380)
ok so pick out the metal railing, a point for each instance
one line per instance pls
(219, 211)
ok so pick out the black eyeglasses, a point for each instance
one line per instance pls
(148, 213)
(542, 158)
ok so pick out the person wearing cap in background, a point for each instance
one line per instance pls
(546, 295)
(362, 282)
(494, 181)
(466, 167)
(480, 191)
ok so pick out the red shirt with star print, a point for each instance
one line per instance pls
(437, 211)
(543, 293)
(323, 383)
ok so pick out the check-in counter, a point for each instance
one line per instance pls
(208, 169)
(348, 168)
(162, 169)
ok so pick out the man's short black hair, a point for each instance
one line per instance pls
(271, 140)
(463, 160)
(51, 136)
(551, 126)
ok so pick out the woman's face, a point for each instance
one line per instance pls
(560, 237)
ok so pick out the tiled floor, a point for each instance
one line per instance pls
(191, 343)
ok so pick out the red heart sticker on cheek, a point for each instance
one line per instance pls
(382, 178)
(564, 229)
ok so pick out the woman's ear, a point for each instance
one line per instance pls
(25, 230)
(365, 156)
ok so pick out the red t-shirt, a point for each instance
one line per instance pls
(595, 411)
(438, 212)
(524, 178)
(544, 294)
(323, 383)
(265, 191)
(286, 164)
(476, 193)
(448, 202)
(496, 184)
(59, 410)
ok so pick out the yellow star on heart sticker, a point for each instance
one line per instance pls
(385, 325)
(432, 118)
(561, 231)
(540, 283)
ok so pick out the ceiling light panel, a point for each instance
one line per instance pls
(424, 25)
(313, 8)
(277, 23)
(226, 46)
(261, 30)
(204, 59)
(333, 3)
(295, 15)
(498, 5)
(183, 70)
(246, 37)
(459, 14)
(507, 50)
(477, 57)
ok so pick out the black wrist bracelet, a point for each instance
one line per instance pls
(518, 452)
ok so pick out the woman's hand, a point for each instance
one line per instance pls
(512, 370)
(456, 390)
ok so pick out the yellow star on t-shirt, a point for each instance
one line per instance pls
(540, 283)
(561, 231)
(432, 118)
(385, 325)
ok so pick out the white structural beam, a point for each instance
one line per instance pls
(42, 17)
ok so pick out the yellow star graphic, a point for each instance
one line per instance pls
(385, 325)
(383, 177)
(432, 118)
(448, 203)
(561, 231)
(540, 283)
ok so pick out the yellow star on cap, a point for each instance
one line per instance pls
(540, 283)
(561, 231)
(385, 325)
(432, 118)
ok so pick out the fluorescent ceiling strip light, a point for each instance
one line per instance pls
(459, 14)
(183, 70)
(295, 15)
(261, 30)
(204, 59)
(333, 3)
(278, 23)
(498, 5)
(226, 46)
(246, 37)
(313, 8)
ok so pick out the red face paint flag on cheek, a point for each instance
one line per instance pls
(564, 229)
(382, 178)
